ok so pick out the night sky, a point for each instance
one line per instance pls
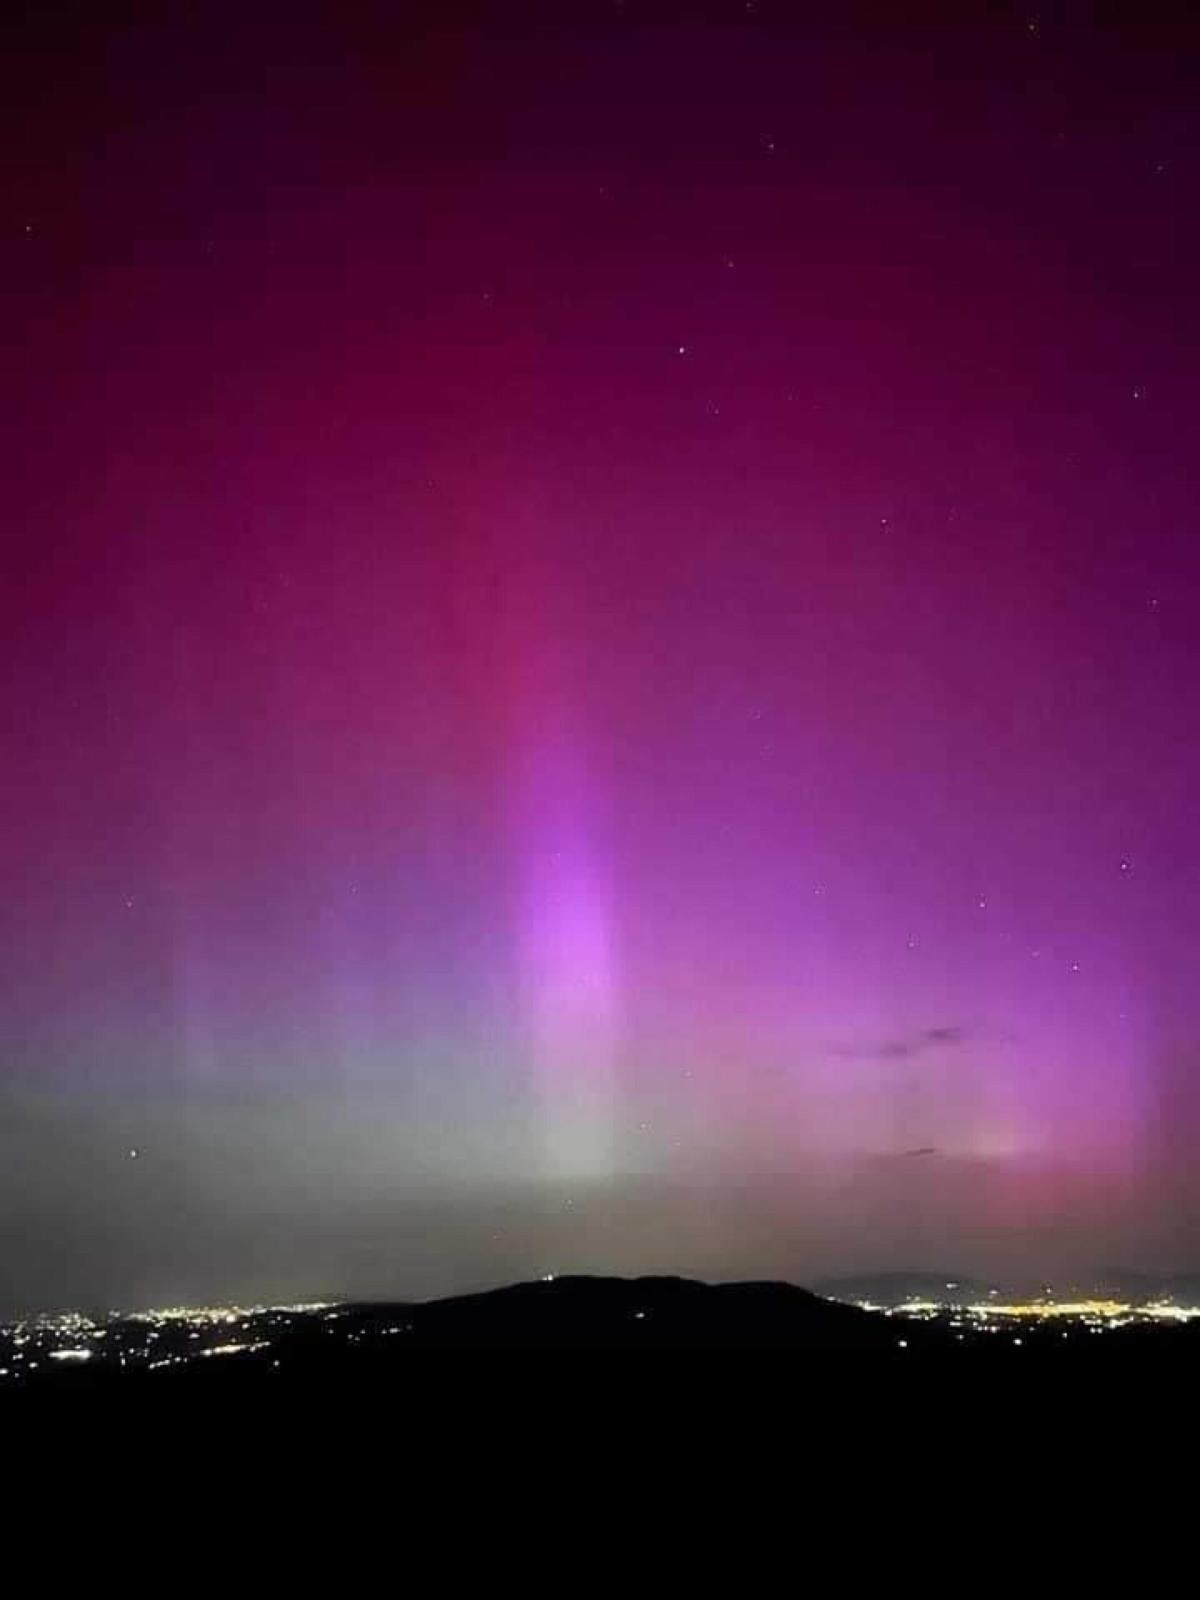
(601, 642)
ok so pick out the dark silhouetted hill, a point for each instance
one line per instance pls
(616, 1313)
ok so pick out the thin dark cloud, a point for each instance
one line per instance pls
(944, 1036)
(904, 1049)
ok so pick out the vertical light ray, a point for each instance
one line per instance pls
(569, 991)
(567, 967)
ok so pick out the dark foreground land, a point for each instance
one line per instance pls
(381, 1346)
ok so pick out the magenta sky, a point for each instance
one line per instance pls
(603, 615)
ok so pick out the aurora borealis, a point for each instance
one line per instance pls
(601, 647)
